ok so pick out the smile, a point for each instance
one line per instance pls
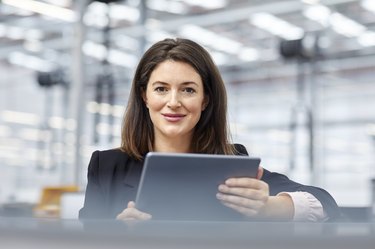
(173, 117)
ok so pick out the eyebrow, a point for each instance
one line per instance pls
(183, 83)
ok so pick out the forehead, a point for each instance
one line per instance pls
(171, 71)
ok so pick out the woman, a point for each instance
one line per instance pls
(178, 103)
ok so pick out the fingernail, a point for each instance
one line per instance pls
(147, 216)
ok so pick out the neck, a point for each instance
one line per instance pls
(175, 145)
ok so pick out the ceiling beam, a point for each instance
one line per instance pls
(224, 16)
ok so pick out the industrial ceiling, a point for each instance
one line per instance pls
(243, 36)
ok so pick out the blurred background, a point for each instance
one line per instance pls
(299, 74)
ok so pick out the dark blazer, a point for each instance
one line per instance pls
(113, 179)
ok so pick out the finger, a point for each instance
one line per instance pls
(125, 215)
(131, 204)
(246, 182)
(248, 193)
(260, 173)
(240, 201)
(133, 214)
(243, 210)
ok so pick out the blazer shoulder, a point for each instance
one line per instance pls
(240, 150)
(104, 162)
(112, 155)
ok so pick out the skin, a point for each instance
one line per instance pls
(250, 196)
(175, 102)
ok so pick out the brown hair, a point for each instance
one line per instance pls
(211, 134)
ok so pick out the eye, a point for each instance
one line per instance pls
(160, 89)
(189, 90)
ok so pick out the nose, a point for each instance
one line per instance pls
(174, 100)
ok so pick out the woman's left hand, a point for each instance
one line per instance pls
(246, 195)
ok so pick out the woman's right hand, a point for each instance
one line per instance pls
(132, 213)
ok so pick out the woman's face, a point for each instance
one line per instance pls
(175, 99)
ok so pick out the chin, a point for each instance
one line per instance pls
(174, 133)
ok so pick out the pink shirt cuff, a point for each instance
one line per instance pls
(306, 207)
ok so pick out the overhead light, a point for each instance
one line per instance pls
(371, 129)
(105, 109)
(107, 129)
(118, 110)
(7, 10)
(219, 42)
(276, 26)
(94, 50)
(61, 123)
(346, 26)
(217, 4)
(18, 33)
(31, 62)
(210, 38)
(15, 33)
(97, 13)
(337, 144)
(219, 58)
(20, 117)
(61, 3)
(12, 32)
(114, 56)
(175, 7)
(5, 131)
(56, 122)
(9, 144)
(35, 134)
(318, 13)
(33, 46)
(120, 58)
(8, 153)
(311, 1)
(156, 34)
(338, 22)
(33, 34)
(126, 42)
(119, 11)
(3, 30)
(249, 54)
(367, 39)
(70, 124)
(368, 4)
(90, 19)
(42, 8)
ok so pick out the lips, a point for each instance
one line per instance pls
(172, 117)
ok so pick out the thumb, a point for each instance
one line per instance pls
(260, 173)
(131, 204)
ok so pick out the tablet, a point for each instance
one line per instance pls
(177, 186)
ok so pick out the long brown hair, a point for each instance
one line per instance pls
(211, 134)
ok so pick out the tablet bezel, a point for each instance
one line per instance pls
(190, 182)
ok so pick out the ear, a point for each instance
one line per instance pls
(144, 97)
(205, 102)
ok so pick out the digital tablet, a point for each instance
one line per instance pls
(183, 186)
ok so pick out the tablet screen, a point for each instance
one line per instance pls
(177, 186)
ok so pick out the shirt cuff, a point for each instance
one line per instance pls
(306, 206)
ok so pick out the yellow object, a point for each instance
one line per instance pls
(49, 204)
